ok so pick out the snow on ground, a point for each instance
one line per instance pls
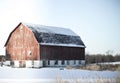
(49, 75)
(110, 63)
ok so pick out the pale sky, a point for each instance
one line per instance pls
(97, 22)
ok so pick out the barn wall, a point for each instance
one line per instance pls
(61, 53)
(22, 45)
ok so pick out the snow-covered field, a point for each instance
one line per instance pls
(110, 63)
(51, 75)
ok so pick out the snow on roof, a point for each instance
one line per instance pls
(57, 36)
(50, 29)
(66, 45)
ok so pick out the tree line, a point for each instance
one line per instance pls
(100, 58)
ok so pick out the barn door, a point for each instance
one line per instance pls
(44, 63)
(22, 63)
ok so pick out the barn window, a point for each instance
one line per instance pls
(56, 62)
(21, 28)
(79, 61)
(74, 62)
(67, 62)
(29, 53)
(62, 62)
(48, 62)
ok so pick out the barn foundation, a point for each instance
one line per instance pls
(42, 63)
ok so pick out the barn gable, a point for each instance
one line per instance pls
(18, 47)
(49, 35)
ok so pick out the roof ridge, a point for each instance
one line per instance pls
(45, 25)
(48, 29)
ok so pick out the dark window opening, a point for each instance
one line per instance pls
(56, 62)
(67, 62)
(79, 62)
(48, 62)
(62, 62)
(74, 62)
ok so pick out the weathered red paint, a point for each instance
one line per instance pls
(22, 44)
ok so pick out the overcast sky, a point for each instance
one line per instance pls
(97, 22)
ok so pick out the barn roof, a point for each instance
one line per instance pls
(55, 36)
(50, 29)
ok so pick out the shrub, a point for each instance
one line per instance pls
(100, 67)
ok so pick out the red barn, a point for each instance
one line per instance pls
(33, 45)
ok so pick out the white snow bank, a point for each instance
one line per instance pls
(51, 74)
(110, 63)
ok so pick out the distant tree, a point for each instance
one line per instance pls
(109, 56)
(97, 58)
(109, 52)
(117, 57)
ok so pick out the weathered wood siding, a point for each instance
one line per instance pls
(61, 53)
(22, 45)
